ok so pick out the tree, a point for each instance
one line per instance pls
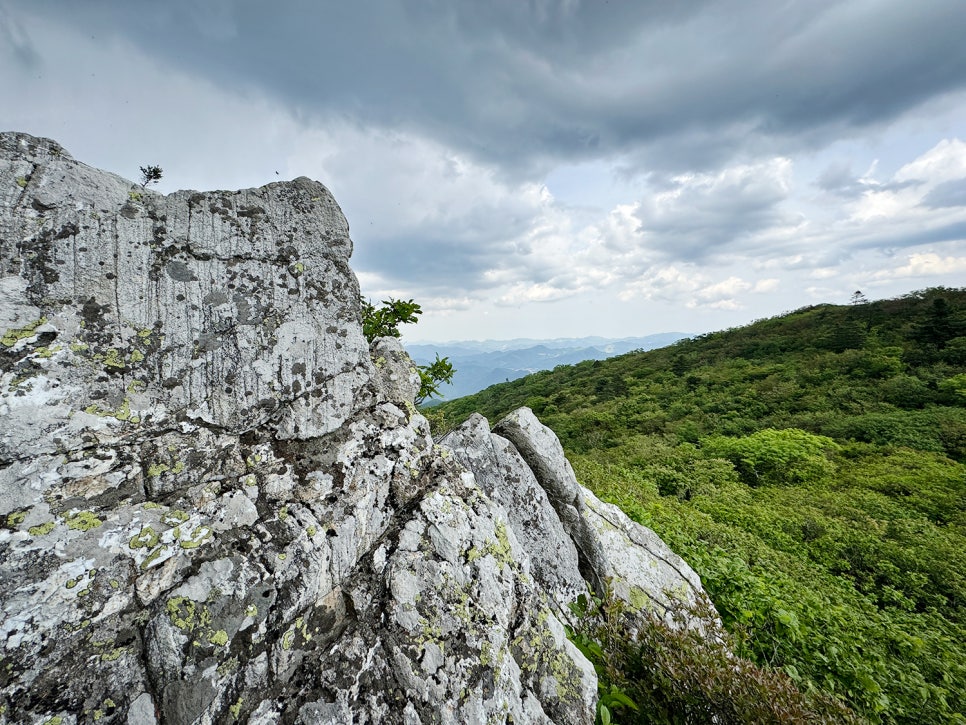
(432, 376)
(150, 175)
(384, 321)
(939, 326)
(770, 456)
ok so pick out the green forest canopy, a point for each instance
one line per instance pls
(812, 468)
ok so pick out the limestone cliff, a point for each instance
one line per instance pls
(218, 504)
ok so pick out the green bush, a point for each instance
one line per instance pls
(669, 671)
(385, 321)
(770, 456)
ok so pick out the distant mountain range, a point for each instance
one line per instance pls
(482, 363)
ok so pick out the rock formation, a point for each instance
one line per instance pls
(218, 504)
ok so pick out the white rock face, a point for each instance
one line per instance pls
(235, 309)
(569, 528)
(215, 507)
(502, 473)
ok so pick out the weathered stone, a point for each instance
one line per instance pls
(542, 451)
(214, 507)
(615, 552)
(502, 473)
(235, 309)
(396, 373)
(640, 568)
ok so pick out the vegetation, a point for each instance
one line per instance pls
(812, 468)
(666, 673)
(385, 321)
(150, 175)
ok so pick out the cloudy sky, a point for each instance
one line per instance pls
(543, 168)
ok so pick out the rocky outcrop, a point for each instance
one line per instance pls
(218, 504)
(573, 539)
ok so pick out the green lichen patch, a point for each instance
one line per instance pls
(300, 627)
(45, 353)
(113, 654)
(219, 638)
(186, 614)
(499, 548)
(640, 600)
(199, 536)
(152, 557)
(136, 386)
(16, 518)
(123, 412)
(13, 336)
(228, 666)
(235, 709)
(81, 521)
(42, 529)
(113, 358)
(146, 538)
(22, 182)
(174, 517)
(157, 468)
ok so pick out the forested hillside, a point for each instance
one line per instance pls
(812, 468)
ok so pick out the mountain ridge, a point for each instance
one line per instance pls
(481, 363)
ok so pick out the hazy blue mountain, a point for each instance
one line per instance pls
(482, 363)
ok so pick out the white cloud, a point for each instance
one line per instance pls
(924, 265)
(824, 273)
(767, 285)
(725, 288)
(523, 293)
(944, 162)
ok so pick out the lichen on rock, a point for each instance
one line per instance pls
(217, 508)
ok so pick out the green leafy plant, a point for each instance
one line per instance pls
(150, 175)
(772, 456)
(384, 321)
(597, 631)
(669, 670)
(431, 376)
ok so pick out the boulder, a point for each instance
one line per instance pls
(233, 309)
(612, 551)
(505, 477)
(218, 503)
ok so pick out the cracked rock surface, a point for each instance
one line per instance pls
(217, 504)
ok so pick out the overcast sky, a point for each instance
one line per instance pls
(543, 168)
